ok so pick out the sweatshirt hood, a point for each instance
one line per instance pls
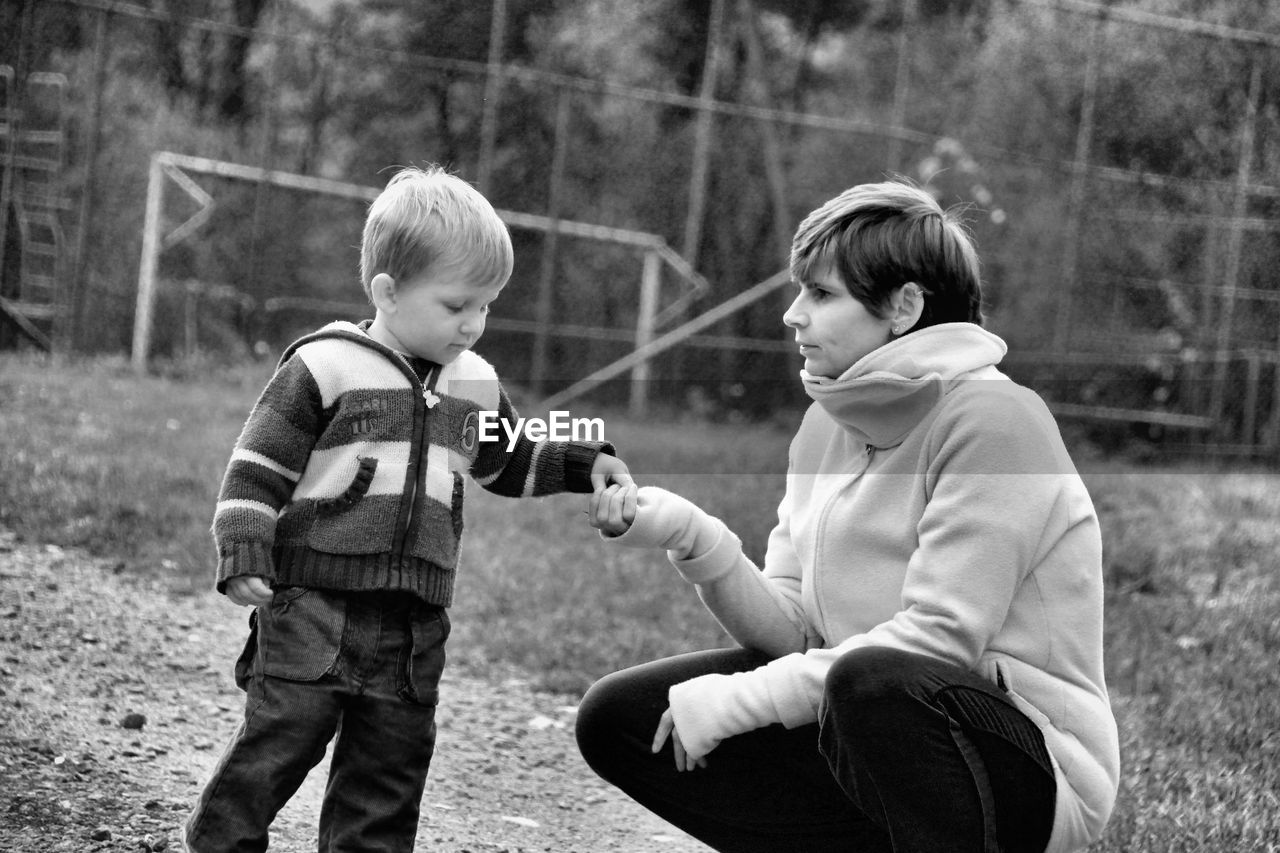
(888, 391)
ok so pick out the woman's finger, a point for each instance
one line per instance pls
(677, 747)
(665, 726)
(630, 501)
(616, 509)
(600, 518)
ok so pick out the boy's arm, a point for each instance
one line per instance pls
(534, 468)
(265, 466)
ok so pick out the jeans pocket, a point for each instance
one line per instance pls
(423, 660)
(300, 633)
(244, 668)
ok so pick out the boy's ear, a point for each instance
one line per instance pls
(382, 290)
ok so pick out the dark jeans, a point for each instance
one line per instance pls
(908, 754)
(365, 667)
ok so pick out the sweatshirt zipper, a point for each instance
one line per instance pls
(820, 532)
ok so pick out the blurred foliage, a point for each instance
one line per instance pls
(992, 97)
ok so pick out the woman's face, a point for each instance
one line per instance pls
(832, 328)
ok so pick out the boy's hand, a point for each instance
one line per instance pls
(609, 469)
(248, 591)
(613, 509)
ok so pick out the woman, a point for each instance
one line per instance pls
(921, 656)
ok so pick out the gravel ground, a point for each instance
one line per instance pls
(116, 699)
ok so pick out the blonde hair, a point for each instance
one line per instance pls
(428, 220)
(878, 237)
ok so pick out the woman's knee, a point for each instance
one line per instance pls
(872, 676)
(602, 717)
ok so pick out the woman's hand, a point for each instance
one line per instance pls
(667, 728)
(612, 509)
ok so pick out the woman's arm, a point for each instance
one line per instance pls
(759, 613)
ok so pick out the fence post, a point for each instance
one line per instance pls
(702, 137)
(191, 318)
(1249, 421)
(550, 247)
(901, 83)
(147, 267)
(492, 91)
(773, 166)
(1235, 245)
(1079, 170)
(1273, 419)
(649, 285)
(92, 137)
(267, 154)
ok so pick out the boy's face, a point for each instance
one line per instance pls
(436, 316)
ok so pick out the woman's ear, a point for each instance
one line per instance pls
(382, 290)
(908, 305)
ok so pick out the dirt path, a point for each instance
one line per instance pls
(82, 648)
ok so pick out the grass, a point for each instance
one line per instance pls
(128, 467)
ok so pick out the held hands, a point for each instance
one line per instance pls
(612, 509)
(650, 517)
(248, 591)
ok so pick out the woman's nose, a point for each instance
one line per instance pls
(793, 317)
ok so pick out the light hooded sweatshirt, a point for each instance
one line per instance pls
(931, 507)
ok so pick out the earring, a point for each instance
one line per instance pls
(897, 330)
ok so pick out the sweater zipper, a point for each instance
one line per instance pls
(420, 432)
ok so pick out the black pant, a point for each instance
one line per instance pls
(908, 754)
(360, 669)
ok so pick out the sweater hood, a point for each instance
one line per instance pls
(337, 329)
(888, 391)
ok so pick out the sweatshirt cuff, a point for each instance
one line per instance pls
(238, 559)
(579, 458)
(710, 708)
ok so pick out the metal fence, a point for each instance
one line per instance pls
(1136, 295)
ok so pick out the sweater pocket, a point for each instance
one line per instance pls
(355, 522)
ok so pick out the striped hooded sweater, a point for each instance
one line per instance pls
(349, 473)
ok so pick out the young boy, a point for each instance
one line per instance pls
(340, 520)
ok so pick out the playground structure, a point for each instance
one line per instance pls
(33, 147)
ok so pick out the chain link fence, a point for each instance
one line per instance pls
(1128, 259)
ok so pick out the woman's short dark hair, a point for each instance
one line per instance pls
(878, 237)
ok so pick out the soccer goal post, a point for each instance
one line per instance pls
(169, 167)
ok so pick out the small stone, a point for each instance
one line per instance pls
(133, 721)
(102, 833)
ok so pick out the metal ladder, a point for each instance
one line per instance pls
(33, 145)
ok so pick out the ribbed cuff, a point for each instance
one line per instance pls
(579, 459)
(237, 559)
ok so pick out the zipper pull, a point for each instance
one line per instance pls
(428, 396)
